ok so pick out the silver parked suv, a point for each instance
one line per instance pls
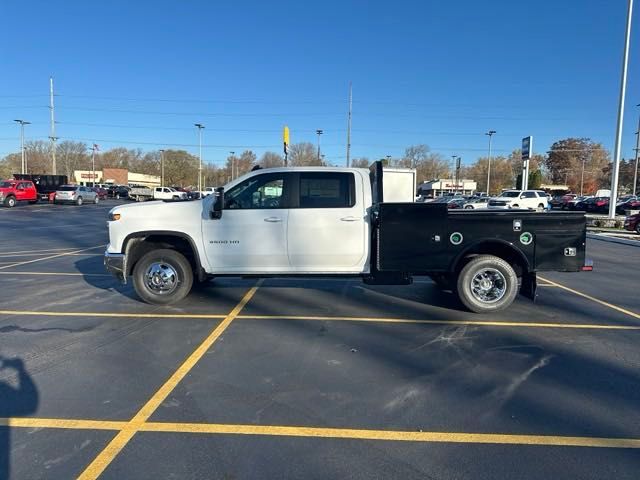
(75, 194)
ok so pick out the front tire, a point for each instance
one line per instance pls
(487, 284)
(10, 202)
(162, 277)
(79, 201)
(96, 200)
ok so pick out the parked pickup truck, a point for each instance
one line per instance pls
(14, 191)
(339, 222)
(140, 194)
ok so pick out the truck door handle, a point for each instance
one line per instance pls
(273, 219)
(349, 219)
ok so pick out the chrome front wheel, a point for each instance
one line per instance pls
(161, 278)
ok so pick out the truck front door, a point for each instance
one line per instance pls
(251, 234)
(327, 223)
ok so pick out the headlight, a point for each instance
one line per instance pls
(114, 216)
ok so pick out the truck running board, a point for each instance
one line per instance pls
(388, 278)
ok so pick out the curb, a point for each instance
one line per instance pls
(603, 238)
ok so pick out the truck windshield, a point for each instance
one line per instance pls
(511, 194)
(6, 184)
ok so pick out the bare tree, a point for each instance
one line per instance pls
(304, 155)
(270, 160)
(362, 162)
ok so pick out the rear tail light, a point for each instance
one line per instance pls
(588, 266)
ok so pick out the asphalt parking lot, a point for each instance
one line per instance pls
(306, 379)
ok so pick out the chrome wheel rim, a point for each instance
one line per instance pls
(161, 278)
(488, 285)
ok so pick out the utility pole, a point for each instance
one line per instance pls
(24, 161)
(319, 132)
(349, 127)
(490, 133)
(93, 164)
(618, 144)
(52, 137)
(635, 174)
(199, 126)
(584, 160)
(453, 165)
(233, 164)
(161, 168)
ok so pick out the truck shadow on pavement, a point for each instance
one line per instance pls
(18, 398)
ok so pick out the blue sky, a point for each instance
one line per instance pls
(139, 74)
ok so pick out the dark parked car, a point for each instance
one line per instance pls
(629, 204)
(118, 191)
(102, 192)
(632, 223)
(562, 201)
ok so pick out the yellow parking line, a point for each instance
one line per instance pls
(109, 314)
(69, 274)
(393, 435)
(594, 299)
(106, 456)
(66, 423)
(317, 432)
(482, 323)
(49, 257)
(479, 323)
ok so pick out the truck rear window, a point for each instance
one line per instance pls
(327, 190)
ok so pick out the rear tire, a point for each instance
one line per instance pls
(162, 277)
(10, 202)
(540, 207)
(468, 207)
(487, 284)
(638, 228)
(79, 201)
(96, 200)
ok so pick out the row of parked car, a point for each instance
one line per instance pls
(527, 199)
(595, 204)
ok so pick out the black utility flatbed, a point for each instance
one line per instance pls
(473, 252)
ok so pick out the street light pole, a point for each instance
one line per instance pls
(490, 133)
(199, 126)
(618, 144)
(319, 132)
(93, 164)
(233, 164)
(584, 160)
(635, 173)
(22, 123)
(161, 168)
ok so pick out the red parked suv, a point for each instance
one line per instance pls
(14, 191)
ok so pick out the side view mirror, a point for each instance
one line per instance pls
(522, 196)
(218, 204)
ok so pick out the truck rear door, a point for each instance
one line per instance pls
(328, 223)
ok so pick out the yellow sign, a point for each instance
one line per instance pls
(285, 135)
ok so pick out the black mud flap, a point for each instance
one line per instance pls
(529, 285)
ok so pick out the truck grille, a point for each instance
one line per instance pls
(497, 203)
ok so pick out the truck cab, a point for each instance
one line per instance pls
(14, 191)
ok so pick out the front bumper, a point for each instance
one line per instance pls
(115, 263)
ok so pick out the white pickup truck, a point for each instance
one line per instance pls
(339, 222)
(141, 194)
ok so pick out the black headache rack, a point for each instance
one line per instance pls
(45, 184)
(426, 239)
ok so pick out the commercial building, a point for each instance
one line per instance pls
(439, 187)
(115, 176)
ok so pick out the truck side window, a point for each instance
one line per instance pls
(260, 191)
(327, 190)
(529, 195)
